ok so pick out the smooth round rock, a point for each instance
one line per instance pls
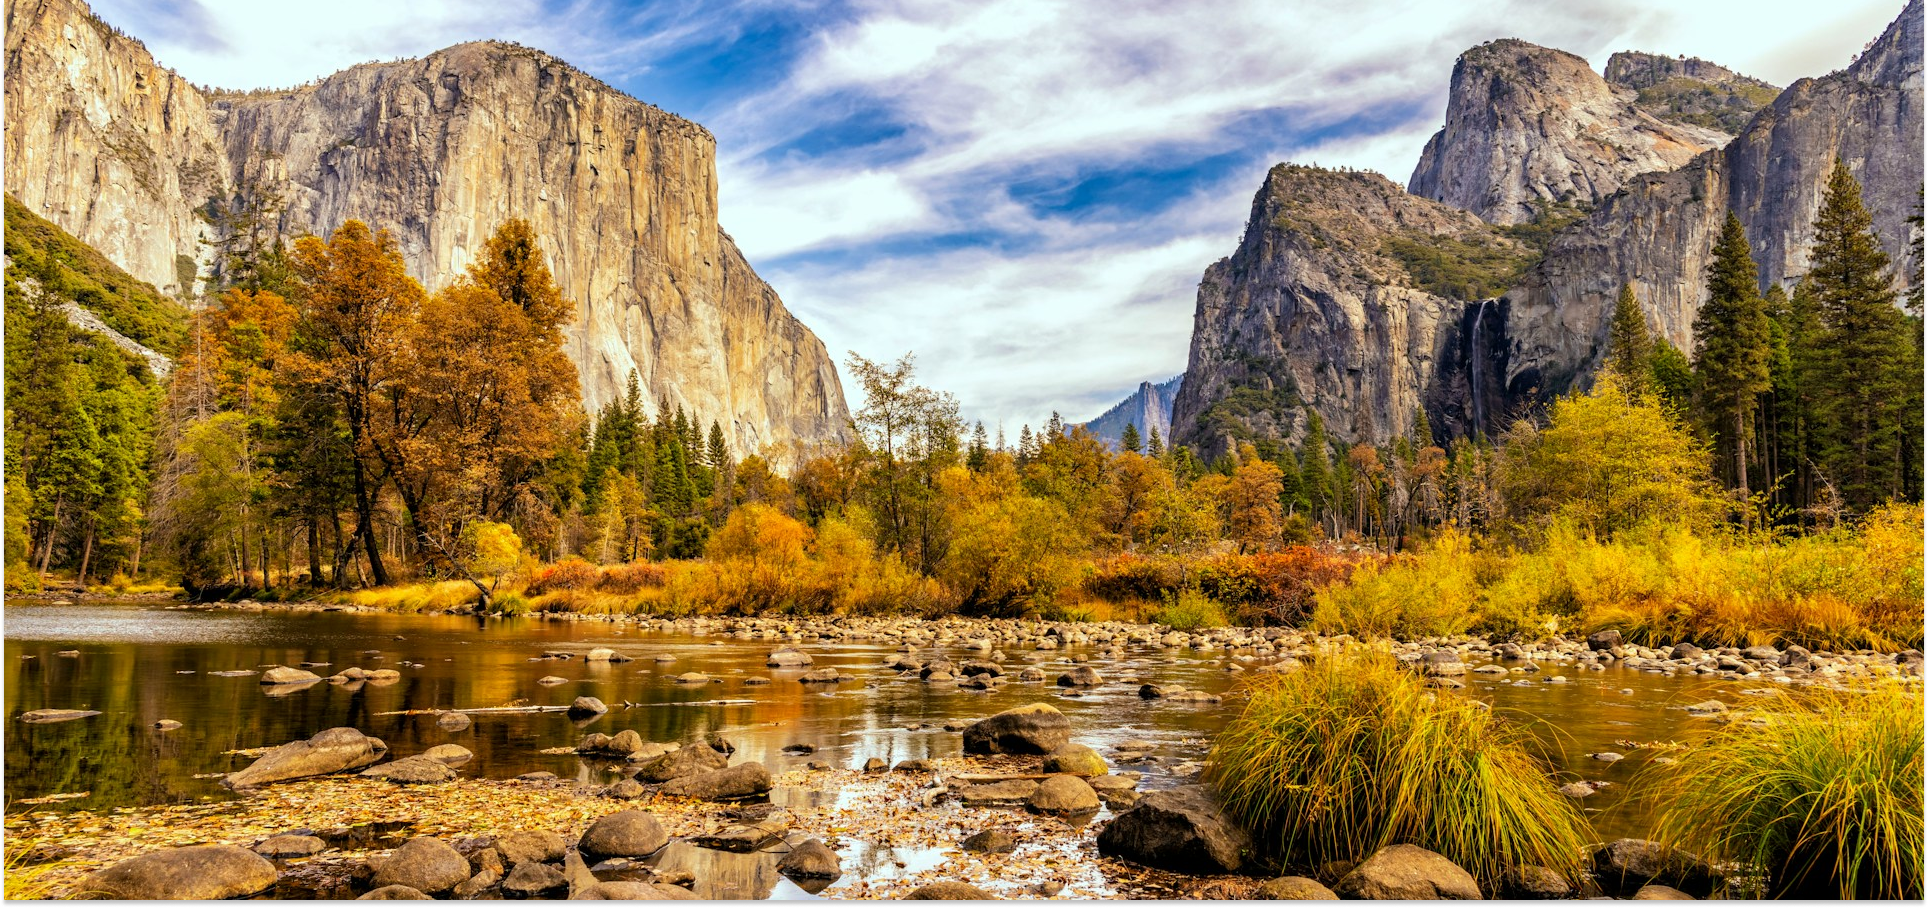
(624, 834)
(197, 872)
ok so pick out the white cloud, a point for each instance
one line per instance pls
(773, 214)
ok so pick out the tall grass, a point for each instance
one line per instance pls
(1858, 588)
(1189, 610)
(1354, 753)
(28, 880)
(1826, 798)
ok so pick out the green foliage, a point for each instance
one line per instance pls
(1824, 794)
(1353, 753)
(1187, 609)
(1630, 346)
(1476, 269)
(1731, 347)
(1603, 463)
(73, 270)
(1726, 106)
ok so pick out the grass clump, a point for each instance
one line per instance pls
(1826, 797)
(1189, 610)
(1354, 753)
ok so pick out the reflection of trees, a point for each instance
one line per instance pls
(722, 874)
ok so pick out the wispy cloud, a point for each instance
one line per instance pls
(1024, 192)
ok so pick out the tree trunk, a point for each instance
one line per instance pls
(241, 543)
(314, 551)
(1740, 466)
(365, 525)
(53, 529)
(86, 554)
(140, 543)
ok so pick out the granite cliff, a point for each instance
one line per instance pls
(440, 150)
(1528, 127)
(1148, 408)
(1690, 91)
(1351, 298)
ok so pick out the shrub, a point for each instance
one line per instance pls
(1430, 596)
(1826, 799)
(567, 574)
(631, 578)
(1124, 577)
(1189, 610)
(1272, 587)
(1353, 753)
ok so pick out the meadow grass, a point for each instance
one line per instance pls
(1825, 797)
(1354, 753)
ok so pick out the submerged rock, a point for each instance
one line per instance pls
(331, 751)
(1035, 729)
(416, 770)
(740, 781)
(1624, 865)
(44, 716)
(812, 860)
(990, 841)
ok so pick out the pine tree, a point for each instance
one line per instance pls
(1027, 445)
(1731, 346)
(1866, 384)
(1315, 474)
(1130, 441)
(1422, 430)
(1157, 447)
(1053, 430)
(1291, 483)
(719, 450)
(978, 457)
(1629, 346)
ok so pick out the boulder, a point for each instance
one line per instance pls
(740, 781)
(625, 790)
(812, 860)
(633, 892)
(395, 893)
(1601, 641)
(415, 770)
(624, 834)
(282, 674)
(1654, 892)
(1081, 676)
(1407, 872)
(196, 872)
(1035, 729)
(289, 846)
(425, 863)
(1076, 760)
(605, 654)
(585, 707)
(744, 839)
(1008, 791)
(448, 754)
(1063, 795)
(531, 880)
(334, 750)
(824, 676)
(685, 761)
(990, 841)
(1684, 651)
(529, 847)
(1442, 664)
(1295, 889)
(1624, 865)
(1534, 883)
(789, 657)
(453, 722)
(1181, 829)
(949, 891)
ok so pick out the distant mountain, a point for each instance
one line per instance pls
(1148, 407)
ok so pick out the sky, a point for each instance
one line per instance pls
(1022, 193)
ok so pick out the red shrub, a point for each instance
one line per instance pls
(567, 574)
(625, 579)
(1126, 577)
(1272, 587)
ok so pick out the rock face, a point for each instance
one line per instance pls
(440, 150)
(1336, 301)
(1148, 408)
(195, 872)
(1529, 126)
(1315, 310)
(334, 750)
(1659, 232)
(1181, 829)
(1690, 91)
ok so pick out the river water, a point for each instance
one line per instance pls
(139, 663)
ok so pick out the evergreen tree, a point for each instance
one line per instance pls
(978, 458)
(1291, 484)
(719, 450)
(1422, 430)
(1672, 375)
(1629, 346)
(1157, 447)
(1027, 446)
(1315, 473)
(1731, 347)
(1129, 440)
(1054, 429)
(1868, 381)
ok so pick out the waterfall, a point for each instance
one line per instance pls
(1476, 367)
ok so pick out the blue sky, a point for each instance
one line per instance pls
(1022, 192)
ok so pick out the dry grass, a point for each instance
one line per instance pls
(1354, 753)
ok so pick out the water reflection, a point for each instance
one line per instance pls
(139, 664)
